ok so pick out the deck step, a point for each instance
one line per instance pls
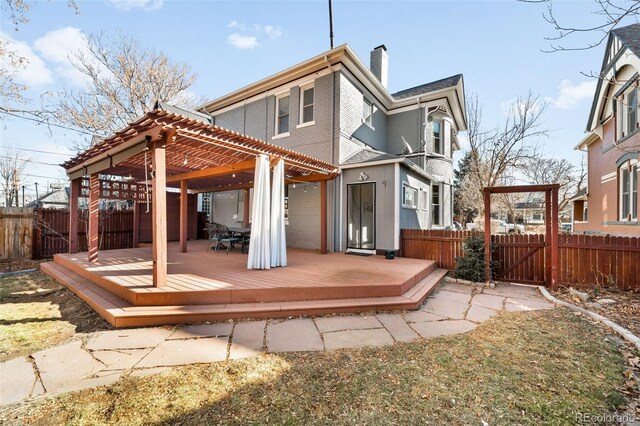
(120, 313)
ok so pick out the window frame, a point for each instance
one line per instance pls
(368, 120)
(628, 191)
(301, 122)
(436, 207)
(624, 127)
(277, 132)
(440, 138)
(424, 199)
(406, 186)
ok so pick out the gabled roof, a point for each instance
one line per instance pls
(443, 83)
(57, 197)
(368, 156)
(630, 37)
(183, 112)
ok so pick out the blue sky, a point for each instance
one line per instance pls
(496, 45)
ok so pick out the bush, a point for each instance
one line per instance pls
(471, 265)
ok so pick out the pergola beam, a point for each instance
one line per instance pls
(210, 172)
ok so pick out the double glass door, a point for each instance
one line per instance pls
(361, 216)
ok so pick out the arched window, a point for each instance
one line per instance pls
(627, 188)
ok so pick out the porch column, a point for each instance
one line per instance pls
(547, 237)
(323, 216)
(183, 215)
(554, 239)
(487, 235)
(159, 210)
(245, 210)
(136, 225)
(94, 217)
(74, 194)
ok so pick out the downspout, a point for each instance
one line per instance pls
(420, 132)
(333, 155)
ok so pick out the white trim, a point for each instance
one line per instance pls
(369, 121)
(396, 207)
(307, 124)
(372, 163)
(276, 130)
(301, 91)
(280, 136)
(361, 251)
(405, 185)
(440, 205)
(609, 177)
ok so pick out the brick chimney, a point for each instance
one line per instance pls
(380, 64)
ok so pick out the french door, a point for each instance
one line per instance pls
(361, 216)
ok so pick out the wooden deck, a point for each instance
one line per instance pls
(204, 285)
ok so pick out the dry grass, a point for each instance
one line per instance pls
(522, 368)
(36, 312)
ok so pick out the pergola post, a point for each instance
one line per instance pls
(94, 217)
(554, 239)
(159, 210)
(548, 218)
(245, 210)
(323, 216)
(487, 235)
(74, 194)
(183, 215)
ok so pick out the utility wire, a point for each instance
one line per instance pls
(38, 151)
(29, 161)
(42, 121)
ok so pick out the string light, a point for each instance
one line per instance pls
(185, 160)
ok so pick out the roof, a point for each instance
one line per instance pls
(57, 197)
(195, 115)
(630, 37)
(194, 146)
(368, 156)
(580, 195)
(428, 87)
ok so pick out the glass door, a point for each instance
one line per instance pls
(361, 216)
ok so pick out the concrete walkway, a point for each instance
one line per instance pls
(106, 356)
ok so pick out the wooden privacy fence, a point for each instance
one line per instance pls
(51, 231)
(585, 260)
(16, 226)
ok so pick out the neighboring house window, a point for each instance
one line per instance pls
(628, 178)
(307, 100)
(435, 205)
(282, 117)
(409, 197)
(627, 112)
(438, 144)
(367, 112)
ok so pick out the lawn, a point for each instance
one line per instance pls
(521, 368)
(36, 312)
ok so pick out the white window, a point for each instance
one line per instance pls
(435, 205)
(367, 112)
(307, 100)
(628, 185)
(282, 115)
(438, 143)
(627, 112)
(409, 197)
(425, 199)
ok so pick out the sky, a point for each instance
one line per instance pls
(498, 46)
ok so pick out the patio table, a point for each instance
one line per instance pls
(244, 232)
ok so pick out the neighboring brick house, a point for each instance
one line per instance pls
(610, 202)
(394, 150)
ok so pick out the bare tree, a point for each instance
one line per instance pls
(497, 154)
(544, 171)
(11, 91)
(17, 10)
(12, 170)
(123, 82)
(610, 12)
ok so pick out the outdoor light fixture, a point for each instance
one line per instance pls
(363, 176)
(315, 185)
(185, 160)
(294, 185)
(233, 175)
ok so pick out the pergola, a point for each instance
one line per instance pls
(166, 149)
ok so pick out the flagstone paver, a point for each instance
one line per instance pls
(182, 352)
(478, 313)
(296, 335)
(129, 339)
(203, 330)
(248, 339)
(17, 380)
(357, 338)
(488, 301)
(443, 328)
(454, 308)
(397, 326)
(61, 366)
(349, 322)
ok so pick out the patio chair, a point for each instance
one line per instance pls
(214, 237)
(224, 236)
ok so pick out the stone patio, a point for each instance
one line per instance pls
(107, 356)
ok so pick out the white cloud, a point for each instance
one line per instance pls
(571, 94)
(235, 24)
(272, 32)
(59, 47)
(242, 41)
(33, 71)
(146, 5)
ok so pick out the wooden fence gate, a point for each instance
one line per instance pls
(521, 258)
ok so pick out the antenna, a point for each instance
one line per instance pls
(407, 148)
(331, 23)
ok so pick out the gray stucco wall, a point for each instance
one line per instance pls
(419, 218)
(226, 204)
(303, 230)
(383, 176)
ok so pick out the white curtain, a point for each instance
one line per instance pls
(278, 239)
(260, 246)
